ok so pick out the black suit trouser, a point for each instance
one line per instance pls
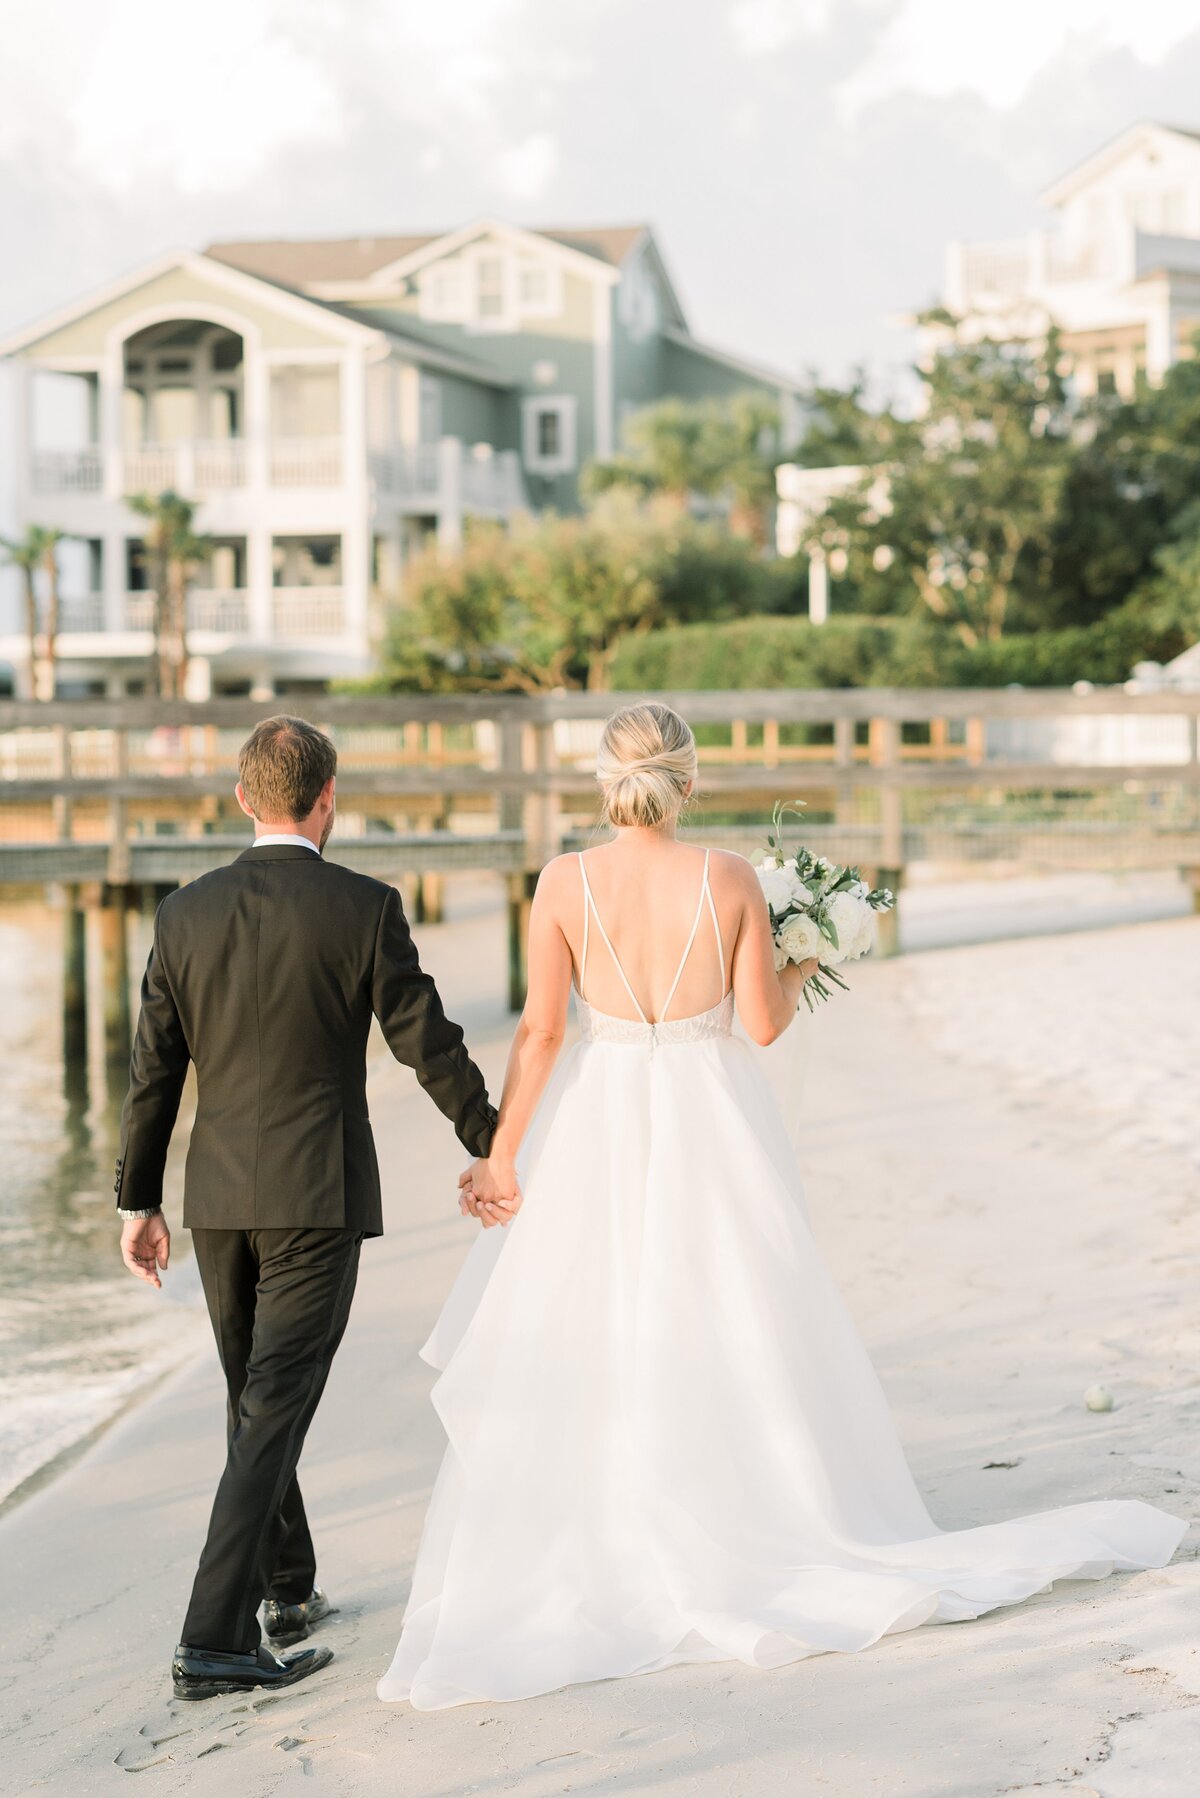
(279, 1301)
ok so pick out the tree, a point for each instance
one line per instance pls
(37, 552)
(683, 450)
(546, 607)
(173, 553)
(973, 493)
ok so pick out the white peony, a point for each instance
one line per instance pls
(800, 938)
(780, 886)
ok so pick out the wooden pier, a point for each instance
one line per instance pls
(108, 804)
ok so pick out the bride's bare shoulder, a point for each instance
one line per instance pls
(731, 871)
(558, 877)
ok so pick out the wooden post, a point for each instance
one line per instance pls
(114, 954)
(543, 833)
(74, 979)
(843, 761)
(520, 898)
(890, 872)
(429, 900)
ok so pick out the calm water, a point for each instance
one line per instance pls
(77, 1334)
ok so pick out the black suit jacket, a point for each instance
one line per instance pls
(266, 974)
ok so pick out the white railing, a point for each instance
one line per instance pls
(411, 472)
(68, 471)
(223, 610)
(308, 612)
(205, 465)
(446, 476)
(84, 612)
(306, 462)
(491, 481)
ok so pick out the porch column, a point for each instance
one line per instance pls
(256, 381)
(1161, 332)
(112, 385)
(449, 496)
(356, 494)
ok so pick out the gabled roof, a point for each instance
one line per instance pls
(344, 324)
(302, 262)
(1109, 153)
(352, 325)
(296, 262)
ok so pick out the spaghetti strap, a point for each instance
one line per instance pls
(591, 906)
(587, 912)
(716, 926)
(688, 950)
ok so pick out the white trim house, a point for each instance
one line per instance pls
(1118, 271)
(328, 406)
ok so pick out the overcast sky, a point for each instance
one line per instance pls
(802, 161)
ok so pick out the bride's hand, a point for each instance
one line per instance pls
(488, 1190)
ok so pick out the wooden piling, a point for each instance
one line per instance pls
(520, 897)
(74, 977)
(114, 960)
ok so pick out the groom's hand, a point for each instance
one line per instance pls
(146, 1246)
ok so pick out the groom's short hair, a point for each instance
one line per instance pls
(282, 765)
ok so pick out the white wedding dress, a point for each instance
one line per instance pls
(666, 1442)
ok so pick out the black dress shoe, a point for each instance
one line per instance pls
(208, 1673)
(287, 1623)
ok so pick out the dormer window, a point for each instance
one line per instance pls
(444, 293)
(489, 289)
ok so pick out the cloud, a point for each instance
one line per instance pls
(795, 217)
(523, 172)
(943, 46)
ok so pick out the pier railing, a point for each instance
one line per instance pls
(105, 801)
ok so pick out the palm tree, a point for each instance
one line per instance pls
(173, 552)
(37, 551)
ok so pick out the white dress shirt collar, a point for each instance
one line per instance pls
(284, 836)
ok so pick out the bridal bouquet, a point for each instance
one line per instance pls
(817, 908)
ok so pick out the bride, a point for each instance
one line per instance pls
(666, 1442)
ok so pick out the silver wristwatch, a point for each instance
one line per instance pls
(151, 1211)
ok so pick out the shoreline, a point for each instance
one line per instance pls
(999, 1256)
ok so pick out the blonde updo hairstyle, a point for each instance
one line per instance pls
(646, 765)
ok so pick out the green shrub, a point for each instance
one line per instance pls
(890, 652)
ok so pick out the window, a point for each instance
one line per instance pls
(534, 285)
(539, 289)
(444, 293)
(489, 287)
(548, 434)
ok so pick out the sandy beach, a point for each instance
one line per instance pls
(1002, 1165)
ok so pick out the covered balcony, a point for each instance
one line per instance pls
(185, 422)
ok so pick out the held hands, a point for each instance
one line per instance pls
(488, 1190)
(146, 1246)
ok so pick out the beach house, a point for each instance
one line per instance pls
(330, 406)
(1118, 270)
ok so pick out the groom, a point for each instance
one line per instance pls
(267, 974)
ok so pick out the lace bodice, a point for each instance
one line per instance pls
(601, 1027)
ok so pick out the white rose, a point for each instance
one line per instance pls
(801, 938)
(864, 940)
(845, 913)
(781, 959)
(779, 887)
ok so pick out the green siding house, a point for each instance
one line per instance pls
(329, 405)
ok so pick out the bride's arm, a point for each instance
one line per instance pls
(540, 1032)
(766, 1001)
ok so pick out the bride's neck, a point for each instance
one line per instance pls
(666, 832)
